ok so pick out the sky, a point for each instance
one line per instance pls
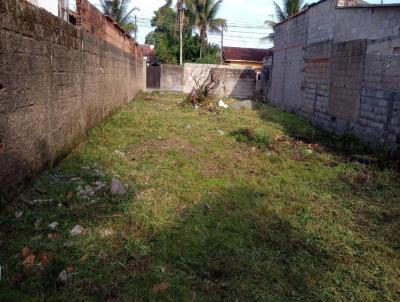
(245, 19)
(245, 16)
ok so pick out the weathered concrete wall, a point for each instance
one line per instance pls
(267, 78)
(56, 82)
(235, 82)
(171, 78)
(347, 60)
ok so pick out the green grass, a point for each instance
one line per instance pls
(229, 206)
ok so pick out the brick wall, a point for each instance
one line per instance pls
(56, 82)
(349, 69)
(103, 27)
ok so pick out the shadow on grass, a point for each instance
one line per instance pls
(231, 245)
(298, 128)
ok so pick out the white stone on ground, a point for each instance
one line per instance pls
(77, 230)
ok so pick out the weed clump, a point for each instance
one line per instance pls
(253, 137)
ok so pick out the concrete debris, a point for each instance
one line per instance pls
(96, 171)
(222, 104)
(85, 192)
(39, 201)
(90, 190)
(119, 153)
(106, 233)
(63, 276)
(117, 188)
(77, 230)
(99, 185)
(37, 223)
(53, 225)
(246, 104)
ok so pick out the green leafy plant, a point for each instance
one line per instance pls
(120, 12)
(254, 137)
(136, 248)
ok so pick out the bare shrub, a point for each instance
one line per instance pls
(206, 82)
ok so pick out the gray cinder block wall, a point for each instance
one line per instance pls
(171, 78)
(235, 81)
(56, 82)
(339, 66)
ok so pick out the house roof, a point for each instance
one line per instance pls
(245, 54)
(148, 51)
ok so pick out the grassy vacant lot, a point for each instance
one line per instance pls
(229, 206)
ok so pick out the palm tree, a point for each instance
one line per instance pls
(118, 10)
(289, 8)
(204, 14)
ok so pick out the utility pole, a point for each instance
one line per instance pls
(135, 28)
(222, 45)
(180, 9)
(63, 7)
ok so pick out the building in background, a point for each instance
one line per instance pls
(149, 54)
(247, 57)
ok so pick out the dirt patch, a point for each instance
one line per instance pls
(145, 194)
(239, 163)
(160, 148)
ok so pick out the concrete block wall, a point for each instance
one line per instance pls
(352, 23)
(289, 41)
(267, 78)
(346, 76)
(235, 82)
(349, 70)
(317, 64)
(56, 82)
(171, 78)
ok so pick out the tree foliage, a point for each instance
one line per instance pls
(166, 39)
(205, 18)
(120, 12)
(288, 8)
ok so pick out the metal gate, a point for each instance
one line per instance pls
(153, 75)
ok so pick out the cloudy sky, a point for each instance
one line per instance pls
(245, 19)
